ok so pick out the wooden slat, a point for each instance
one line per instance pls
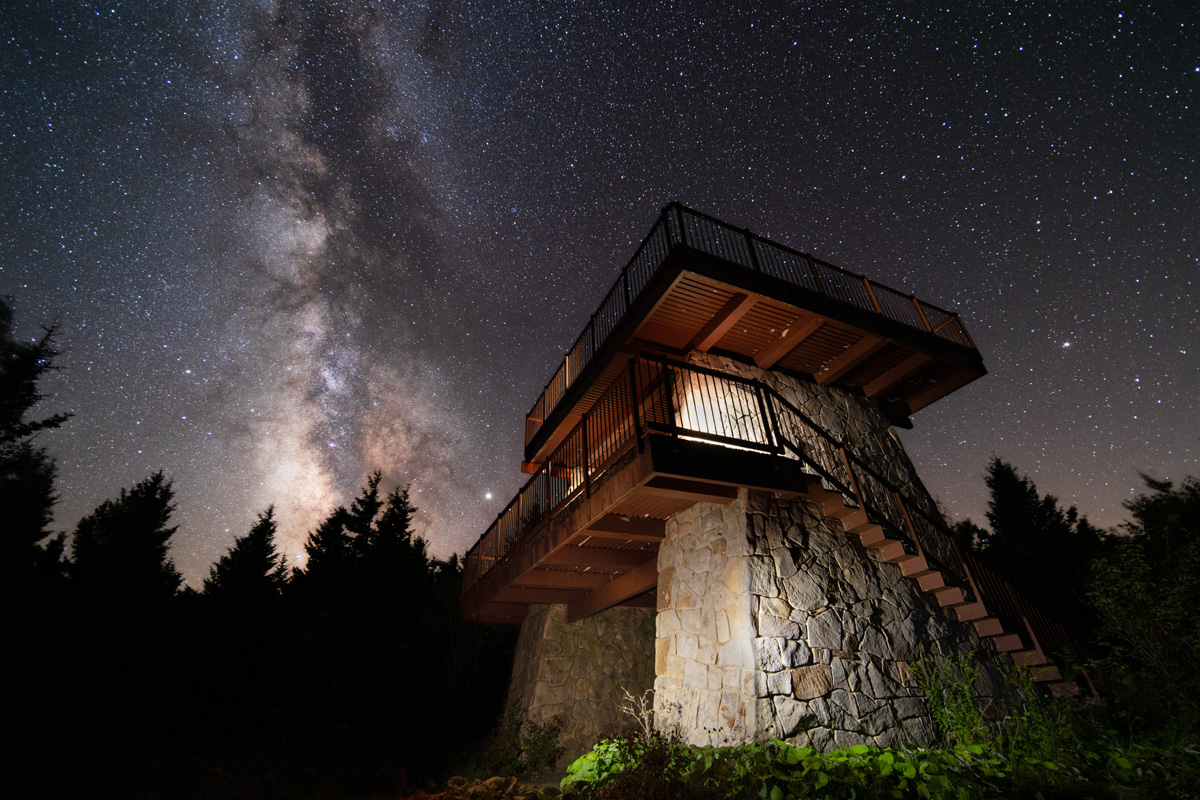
(616, 591)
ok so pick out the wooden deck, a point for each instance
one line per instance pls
(698, 284)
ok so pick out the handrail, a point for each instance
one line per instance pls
(679, 226)
(754, 416)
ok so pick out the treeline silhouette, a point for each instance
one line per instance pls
(355, 675)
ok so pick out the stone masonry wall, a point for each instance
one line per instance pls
(578, 671)
(772, 624)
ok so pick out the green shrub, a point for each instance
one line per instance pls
(518, 745)
(947, 682)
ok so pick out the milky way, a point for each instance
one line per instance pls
(292, 243)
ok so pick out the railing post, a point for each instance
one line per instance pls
(668, 391)
(625, 287)
(854, 487)
(635, 408)
(750, 249)
(871, 294)
(587, 461)
(763, 414)
(921, 314)
(812, 267)
(682, 230)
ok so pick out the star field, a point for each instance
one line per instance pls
(289, 243)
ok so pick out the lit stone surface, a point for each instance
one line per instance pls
(578, 670)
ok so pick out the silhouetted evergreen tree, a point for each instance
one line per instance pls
(120, 549)
(252, 574)
(1043, 549)
(27, 473)
(1146, 587)
(378, 637)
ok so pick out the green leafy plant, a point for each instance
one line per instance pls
(519, 745)
(946, 682)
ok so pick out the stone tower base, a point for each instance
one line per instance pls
(772, 624)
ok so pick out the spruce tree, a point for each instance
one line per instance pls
(27, 472)
(1041, 547)
(252, 574)
(120, 549)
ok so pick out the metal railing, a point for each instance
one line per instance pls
(657, 396)
(679, 226)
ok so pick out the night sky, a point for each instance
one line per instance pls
(291, 243)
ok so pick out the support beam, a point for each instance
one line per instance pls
(941, 389)
(635, 529)
(734, 309)
(616, 591)
(897, 375)
(848, 360)
(561, 580)
(643, 600)
(516, 594)
(681, 489)
(788, 342)
(599, 557)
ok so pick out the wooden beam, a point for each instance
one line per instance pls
(635, 529)
(644, 600)
(683, 489)
(734, 309)
(788, 342)
(941, 389)
(848, 360)
(599, 557)
(561, 580)
(517, 594)
(897, 375)
(618, 590)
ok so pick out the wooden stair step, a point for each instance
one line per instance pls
(871, 536)
(835, 507)
(1008, 642)
(1029, 658)
(888, 549)
(947, 595)
(989, 626)
(911, 564)
(971, 612)
(929, 580)
(856, 520)
(1047, 673)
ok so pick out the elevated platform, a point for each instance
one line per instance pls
(696, 283)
